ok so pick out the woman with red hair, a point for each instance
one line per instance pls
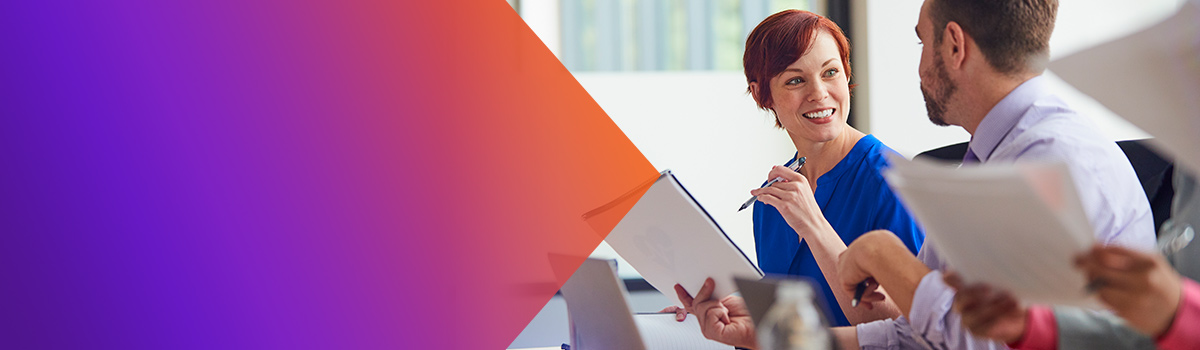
(797, 66)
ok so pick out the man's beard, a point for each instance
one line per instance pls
(935, 104)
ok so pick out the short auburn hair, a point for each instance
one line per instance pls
(779, 41)
(1014, 35)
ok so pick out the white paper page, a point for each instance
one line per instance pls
(669, 239)
(1151, 78)
(992, 224)
(662, 332)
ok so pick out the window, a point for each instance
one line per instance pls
(658, 35)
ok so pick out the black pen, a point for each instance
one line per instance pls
(858, 292)
(794, 164)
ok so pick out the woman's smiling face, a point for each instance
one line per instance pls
(811, 97)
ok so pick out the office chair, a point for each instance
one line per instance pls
(1153, 171)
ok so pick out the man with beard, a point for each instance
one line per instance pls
(981, 69)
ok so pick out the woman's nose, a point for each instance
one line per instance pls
(817, 93)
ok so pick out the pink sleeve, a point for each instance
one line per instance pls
(1184, 332)
(1041, 332)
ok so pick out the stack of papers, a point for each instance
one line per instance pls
(1014, 226)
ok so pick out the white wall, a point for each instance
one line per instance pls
(897, 110)
(542, 16)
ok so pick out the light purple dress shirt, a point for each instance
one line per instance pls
(1030, 124)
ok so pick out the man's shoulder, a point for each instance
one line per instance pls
(1052, 117)
(1053, 128)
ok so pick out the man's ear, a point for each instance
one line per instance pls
(956, 45)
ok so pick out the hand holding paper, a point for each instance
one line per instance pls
(726, 320)
(1016, 227)
(988, 312)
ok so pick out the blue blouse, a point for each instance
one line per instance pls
(855, 200)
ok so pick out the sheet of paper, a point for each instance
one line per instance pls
(1151, 78)
(1013, 226)
(668, 238)
(662, 332)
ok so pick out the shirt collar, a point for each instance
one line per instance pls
(1004, 116)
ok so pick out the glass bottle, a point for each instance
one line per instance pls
(793, 321)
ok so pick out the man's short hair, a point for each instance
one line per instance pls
(1014, 35)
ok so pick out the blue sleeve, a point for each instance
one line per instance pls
(893, 216)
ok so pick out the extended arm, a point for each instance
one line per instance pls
(919, 291)
(882, 256)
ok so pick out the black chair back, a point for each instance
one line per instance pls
(1153, 170)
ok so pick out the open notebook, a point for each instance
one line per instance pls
(601, 317)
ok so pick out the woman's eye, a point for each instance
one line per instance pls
(794, 81)
(831, 72)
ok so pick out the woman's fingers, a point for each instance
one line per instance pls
(1115, 268)
(706, 290)
(779, 189)
(715, 311)
(785, 173)
(680, 313)
(684, 297)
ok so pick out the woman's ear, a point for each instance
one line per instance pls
(754, 93)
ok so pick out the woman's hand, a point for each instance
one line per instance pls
(1140, 287)
(793, 198)
(680, 313)
(726, 320)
